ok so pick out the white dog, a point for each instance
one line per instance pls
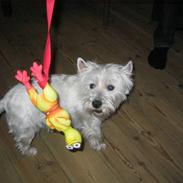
(90, 97)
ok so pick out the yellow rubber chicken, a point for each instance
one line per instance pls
(47, 101)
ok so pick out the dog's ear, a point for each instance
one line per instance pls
(127, 73)
(81, 64)
(128, 68)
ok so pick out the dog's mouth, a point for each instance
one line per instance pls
(98, 112)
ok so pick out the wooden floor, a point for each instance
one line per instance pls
(144, 139)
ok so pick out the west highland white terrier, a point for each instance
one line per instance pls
(90, 96)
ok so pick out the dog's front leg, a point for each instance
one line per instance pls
(92, 133)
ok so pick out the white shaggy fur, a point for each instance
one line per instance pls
(76, 96)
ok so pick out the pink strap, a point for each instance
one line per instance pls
(47, 50)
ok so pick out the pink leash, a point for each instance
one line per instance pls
(47, 50)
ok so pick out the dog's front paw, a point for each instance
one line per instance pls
(96, 144)
(31, 151)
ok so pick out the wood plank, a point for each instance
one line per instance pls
(8, 172)
(151, 89)
(86, 166)
(44, 163)
(41, 168)
(144, 139)
(143, 28)
(168, 97)
(70, 164)
(5, 76)
(88, 173)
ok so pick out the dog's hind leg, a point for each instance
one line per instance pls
(23, 134)
(23, 142)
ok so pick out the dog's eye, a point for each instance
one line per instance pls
(92, 86)
(110, 87)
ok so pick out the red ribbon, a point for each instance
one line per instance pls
(47, 50)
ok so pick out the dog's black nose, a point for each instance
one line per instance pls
(97, 104)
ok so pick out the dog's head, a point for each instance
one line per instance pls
(104, 87)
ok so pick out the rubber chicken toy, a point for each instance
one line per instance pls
(47, 102)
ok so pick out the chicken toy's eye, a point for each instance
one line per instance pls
(77, 145)
(69, 147)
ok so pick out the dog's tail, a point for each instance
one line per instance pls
(1, 105)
